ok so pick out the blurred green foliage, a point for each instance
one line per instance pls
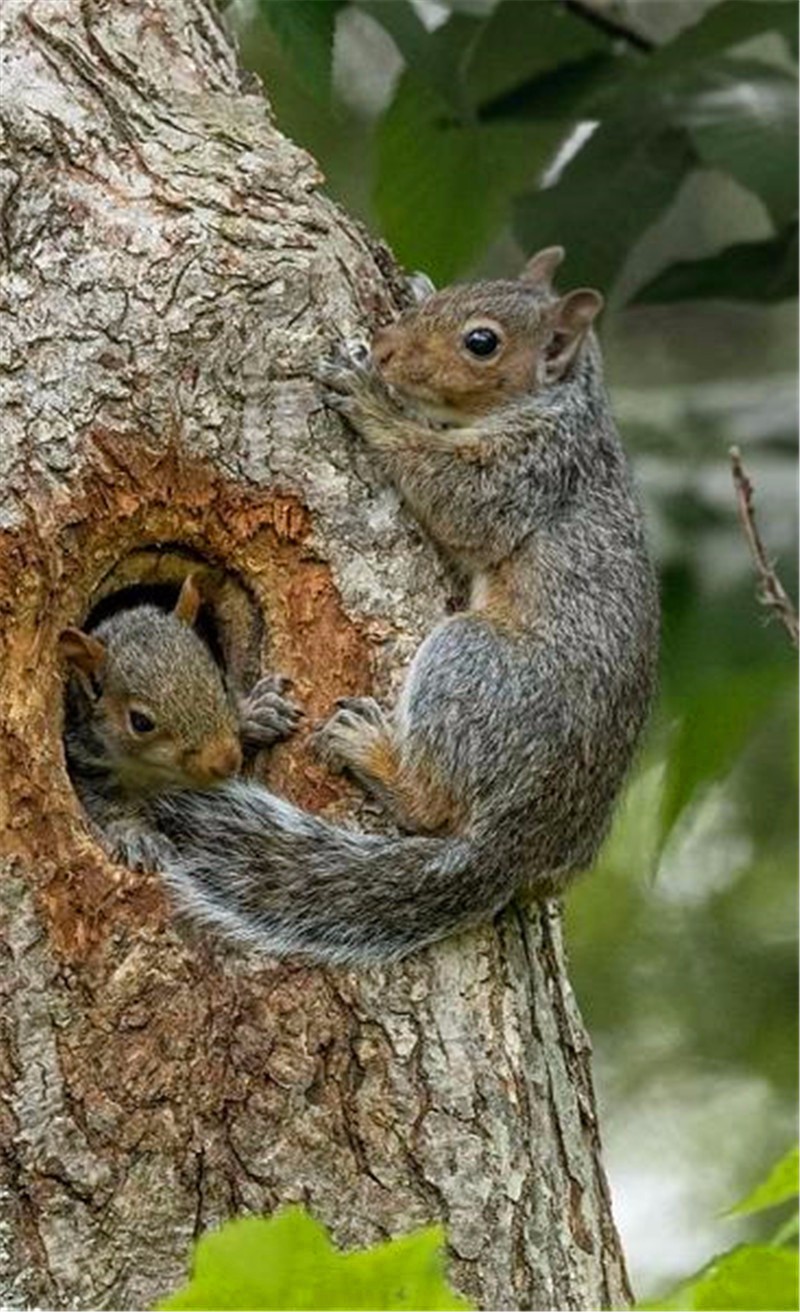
(750, 1277)
(657, 141)
(288, 1262)
(780, 1186)
(486, 99)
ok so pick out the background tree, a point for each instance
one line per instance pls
(171, 274)
(658, 142)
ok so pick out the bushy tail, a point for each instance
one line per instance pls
(264, 871)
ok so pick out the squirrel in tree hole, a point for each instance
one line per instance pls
(149, 709)
(485, 407)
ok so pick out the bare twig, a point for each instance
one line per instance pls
(771, 591)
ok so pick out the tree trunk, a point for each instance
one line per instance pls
(171, 273)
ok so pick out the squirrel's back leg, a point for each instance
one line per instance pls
(360, 738)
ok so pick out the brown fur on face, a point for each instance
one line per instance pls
(148, 662)
(166, 756)
(424, 356)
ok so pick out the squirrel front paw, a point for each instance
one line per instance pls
(134, 845)
(350, 738)
(351, 384)
(266, 715)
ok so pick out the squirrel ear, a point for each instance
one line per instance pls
(540, 267)
(419, 287)
(82, 650)
(572, 317)
(189, 601)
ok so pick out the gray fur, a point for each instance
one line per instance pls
(531, 726)
(155, 660)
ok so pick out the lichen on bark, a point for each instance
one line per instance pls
(171, 273)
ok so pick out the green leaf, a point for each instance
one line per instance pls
(305, 30)
(660, 115)
(522, 41)
(471, 58)
(436, 58)
(718, 719)
(443, 189)
(780, 1185)
(598, 84)
(764, 271)
(742, 118)
(608, 195)
(734, 115)
(404, 26)
(572, 91)
(731, 24)
(786, 1232)
(751, 1278)
(288, 1262)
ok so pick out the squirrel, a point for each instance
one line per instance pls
(485, 406)
(148, 708)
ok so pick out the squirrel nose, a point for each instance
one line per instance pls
(218, 759)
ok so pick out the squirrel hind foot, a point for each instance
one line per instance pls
(350, 736)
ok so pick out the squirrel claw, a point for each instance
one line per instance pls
(323, 749)
(338, 401)
(341, 741)
(363, 708)
(345, 368)
(353, 388)
(136, 846)
(270, 683)
(328, 372)
(266, 715)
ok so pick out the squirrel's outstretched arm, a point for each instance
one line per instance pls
(510, 466)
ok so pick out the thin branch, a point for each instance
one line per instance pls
(771, 591)
(611, 26)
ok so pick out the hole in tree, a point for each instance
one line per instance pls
(164, 596)
(229, 621)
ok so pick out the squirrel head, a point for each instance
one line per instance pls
(467, 350)
(160, 711)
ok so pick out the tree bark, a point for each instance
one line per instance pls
(171, 273)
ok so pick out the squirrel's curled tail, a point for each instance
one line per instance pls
(251, 864)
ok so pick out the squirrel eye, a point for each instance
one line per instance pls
(481, 341)
(141, 723)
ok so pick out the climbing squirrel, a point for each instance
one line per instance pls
(148, 709)
(484, 405)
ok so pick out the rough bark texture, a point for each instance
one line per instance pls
(171, 273)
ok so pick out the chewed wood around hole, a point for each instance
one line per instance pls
(131, 529)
